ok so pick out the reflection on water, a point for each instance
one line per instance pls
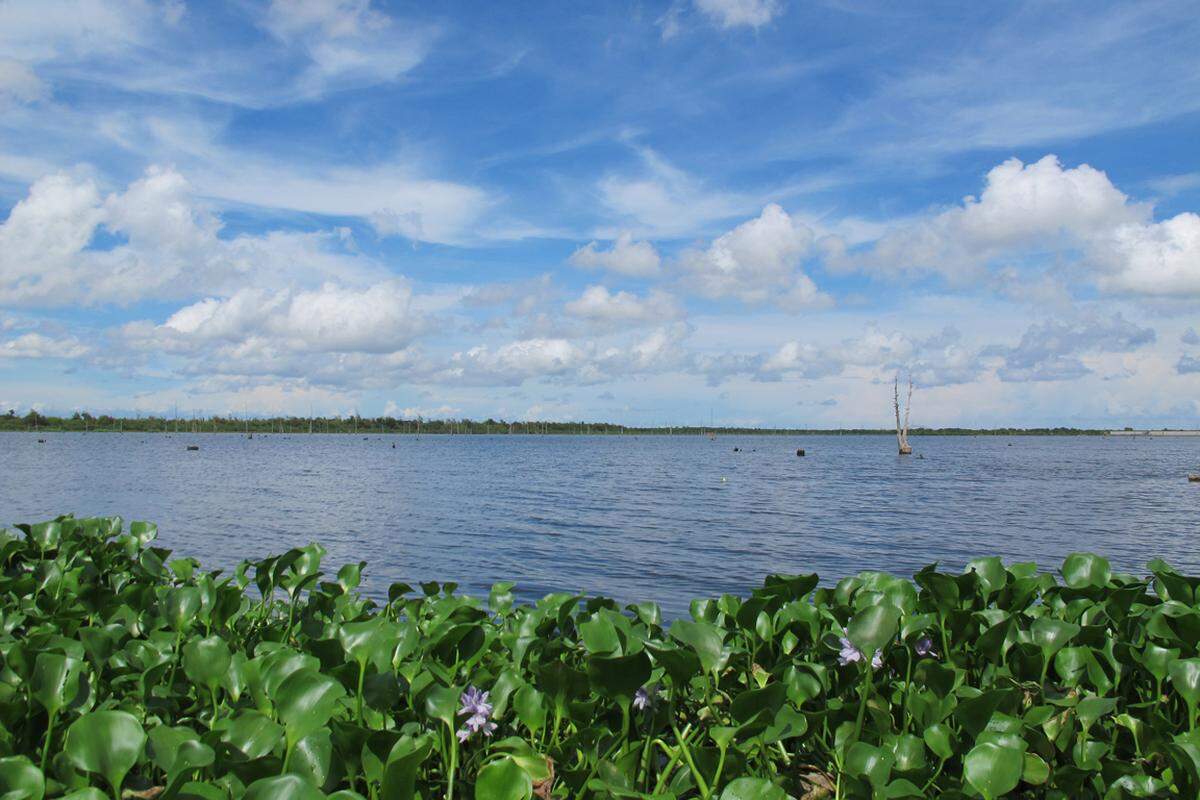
(652, 517)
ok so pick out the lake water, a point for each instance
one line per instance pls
(638, 518)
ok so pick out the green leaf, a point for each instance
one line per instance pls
(1081, 570)
(867, 761)
(107, 743)
(55, 680)
(282, 787)
(873, 628)
(705, 640)
(305, 702)
(1185, 677)
(400, 771)
(1052, 634)
(940, 740)
(620, 676)
(993, 770)
(177, 749)
(530, 705)
(503, 779)
(752, 789)
(250, 733)
(206, 661)
(20, 779)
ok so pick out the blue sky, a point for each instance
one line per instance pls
(646, 212)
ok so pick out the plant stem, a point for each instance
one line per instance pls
(49, 734)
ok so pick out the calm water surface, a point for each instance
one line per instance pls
(638, 518)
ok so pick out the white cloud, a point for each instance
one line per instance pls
(348, 42)
(757, 262)
(665, 201)
(330, 319)
(1160, 258)
(735, 13)
(597, 304)
(1022, 207)
(626, 257)
(1052, 350)
(171, 247)
(393, 409)
(1030, 211)
(37, 345)
(19, 83)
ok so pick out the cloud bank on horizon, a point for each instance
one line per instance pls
(644, 212)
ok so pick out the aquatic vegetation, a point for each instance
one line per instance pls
(126, 672)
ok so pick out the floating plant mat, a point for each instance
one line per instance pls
(125, 672)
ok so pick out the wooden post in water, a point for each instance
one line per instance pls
(902, 432)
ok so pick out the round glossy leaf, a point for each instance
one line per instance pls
(705, 640)
(20, 778)
(441, 703)
(1052, 634)
(940, 740)
(867, 761)
(180, 607)
(282, 787)
(620, 676)
(873, 627)
(503, 779)
(55, 680)
(400, 771)
(251, 734)
(89, 793)
(991, 572)
(206, 661)
(175, 750)
(1185, 677)
(305, 702)
(993, 770)
(752, 789)
(1081, 570)
(107, 743)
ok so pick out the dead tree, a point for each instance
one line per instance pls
(902, 432)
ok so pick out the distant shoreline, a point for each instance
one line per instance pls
(365, 426)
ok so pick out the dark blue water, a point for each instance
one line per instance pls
(638, 518)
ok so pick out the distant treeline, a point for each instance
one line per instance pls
(83, 421)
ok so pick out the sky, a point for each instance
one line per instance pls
(750, 212)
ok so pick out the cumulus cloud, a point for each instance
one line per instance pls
(1027, 212)
(597, 304)
(1022, 206)
(1154, 259)
(376, 319)
(735, 13)
(758, 263)
(170, 246)
(1188, 365)
(1190, 336)
(626, 257)
(1052, 350)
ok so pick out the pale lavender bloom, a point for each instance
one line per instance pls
(478, 710)
(641, 699)
(924, 646)
(851, 654)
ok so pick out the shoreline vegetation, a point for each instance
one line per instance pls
(103, 423)
(127, 672)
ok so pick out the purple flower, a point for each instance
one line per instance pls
(851, 654)
(478, 711)
(924, 646)
(641, 699)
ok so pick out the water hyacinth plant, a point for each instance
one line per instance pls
(125, 672)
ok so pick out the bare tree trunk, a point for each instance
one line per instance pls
(902, 432)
